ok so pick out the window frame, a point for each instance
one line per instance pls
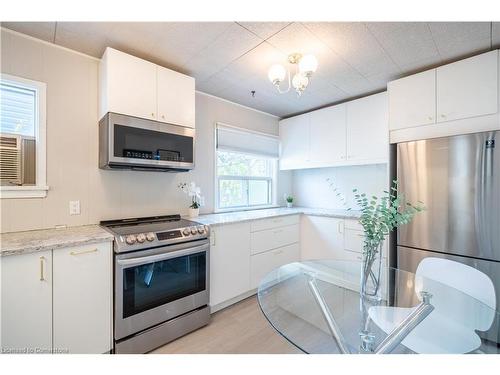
(273, 179)
(40, 189)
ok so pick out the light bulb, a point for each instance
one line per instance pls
(300, 82)
(276, 74)
(308, 65)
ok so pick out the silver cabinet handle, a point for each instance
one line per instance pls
(42, 276)
(277, 231)
(83, 252)
(340, 227)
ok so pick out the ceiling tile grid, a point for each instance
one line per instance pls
(230, 59)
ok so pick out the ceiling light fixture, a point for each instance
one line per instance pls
(305, 67)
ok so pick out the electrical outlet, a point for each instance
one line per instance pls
(74, 207)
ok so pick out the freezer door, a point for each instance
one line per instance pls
(458, 181)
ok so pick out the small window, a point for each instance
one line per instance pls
(22, 137)
(246, 167)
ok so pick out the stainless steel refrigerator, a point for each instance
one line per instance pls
(458, 180)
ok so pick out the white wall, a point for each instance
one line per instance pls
(311, 188)
(72, 146)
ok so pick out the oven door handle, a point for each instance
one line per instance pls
(125, 263)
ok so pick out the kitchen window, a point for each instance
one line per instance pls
(246, 169)
(22, 138)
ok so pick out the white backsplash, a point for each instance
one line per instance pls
(311, 188)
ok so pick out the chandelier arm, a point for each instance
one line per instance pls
(289, 85)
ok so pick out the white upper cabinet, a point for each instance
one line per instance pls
(327, 135)
(468, 88)
(176, 98)
(128, 85)
(136, 87)
(457, 98)
(294, 137)
(83, 298)
(412, 100)
(351, 133)
(27, 302)
(367, 129)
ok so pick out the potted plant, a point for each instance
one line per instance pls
(379, 217)
(289, 200)
(194, 193)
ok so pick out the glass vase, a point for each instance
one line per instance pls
(371, 272)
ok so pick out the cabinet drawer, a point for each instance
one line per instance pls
(263, 263)
(353, 240)
(265, 240)
(274, 222)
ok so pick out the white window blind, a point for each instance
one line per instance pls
(18, 109)
(239, 140)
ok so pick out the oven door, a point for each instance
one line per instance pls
(136, 142)
(155, 285)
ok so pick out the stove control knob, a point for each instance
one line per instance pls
(186, 232)
(194, 230)
(141, 237)
(201, 229)
(130, 239)
(150, 236)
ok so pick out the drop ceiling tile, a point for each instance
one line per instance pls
(459, 39)
(40, 30)
(496, 34)
(264, 29)
(355, 44)
(231, 44)
(405, 42)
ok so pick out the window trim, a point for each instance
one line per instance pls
(40, 189)
(274, 178)
(247, 179)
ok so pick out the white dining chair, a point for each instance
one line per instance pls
(450, 328)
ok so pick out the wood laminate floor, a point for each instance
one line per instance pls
(238, 329)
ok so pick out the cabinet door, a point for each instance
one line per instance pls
(263, 263)
(83, 298)
(176, 98)
(229, 262)
(412, 100)
(468, 88)
(367, 129)
(27, 302)
(294, 137)
(129, 84)
(328, 135)
(321, 238)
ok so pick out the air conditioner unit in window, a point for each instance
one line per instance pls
(10, 159)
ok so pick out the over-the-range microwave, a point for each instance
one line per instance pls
(127, 142)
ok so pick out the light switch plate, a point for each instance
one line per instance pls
(74, 207)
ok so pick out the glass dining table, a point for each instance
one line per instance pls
(317, 306)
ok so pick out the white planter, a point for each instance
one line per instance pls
(194, 212)
(289, 205)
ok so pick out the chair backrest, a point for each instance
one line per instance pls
(468, 280)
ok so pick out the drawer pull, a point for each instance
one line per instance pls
(83, 252)
(42, 276)
(278, 252)
(278, 231)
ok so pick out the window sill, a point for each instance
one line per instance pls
(243, 209)
(13, 192)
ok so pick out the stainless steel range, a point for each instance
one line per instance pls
(161, 280)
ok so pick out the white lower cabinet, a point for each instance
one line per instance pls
(83, 299)
(321, 238)
(263, 263)
(27, 303)
(229, 262)
(58, 301)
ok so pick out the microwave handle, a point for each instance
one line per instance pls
(131, 262)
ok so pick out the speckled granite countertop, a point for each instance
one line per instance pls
(240, 216)
(49, 239)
